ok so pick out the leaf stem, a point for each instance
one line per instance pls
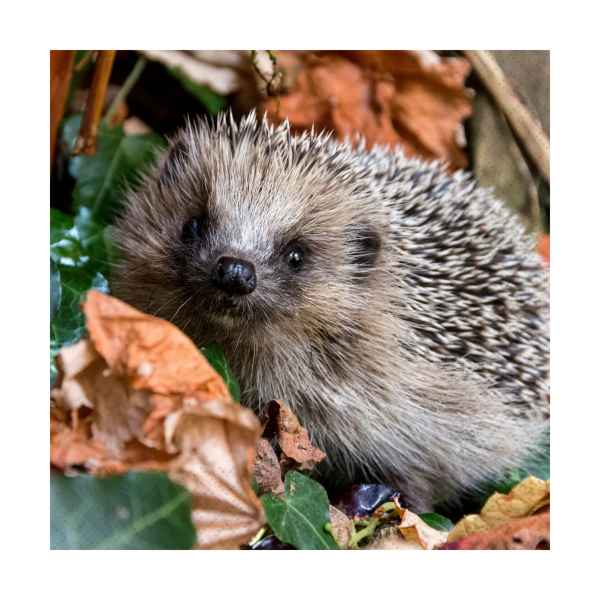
(358, 536)
(122, 94)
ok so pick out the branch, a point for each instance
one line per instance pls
(86, 142)
(524, 125)
(61, 71)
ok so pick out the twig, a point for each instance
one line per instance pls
(269, 74)
(86, 142)
(85, 59)
(61, 72)
(524, 125)
(131, 80)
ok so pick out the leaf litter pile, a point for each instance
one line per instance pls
(150, 447)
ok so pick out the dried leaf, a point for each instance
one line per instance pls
(526, 498)
(222, 79)
(413, 99)
(267, 470)
(543, 247)
(530, 533)
(415, 530)
(341, 527)
(293, 438)
(154, 402)
(216, 443)
(149, 352)
(390, 538)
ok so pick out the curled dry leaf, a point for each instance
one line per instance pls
(530, 533)
(414, 529)
(413, 99)
(526, 498)
(390, 538)
(341, 527)
(293, 438)
(411, 534)
(543, 247)
(267, 470)
(139, 395)
(200, 68)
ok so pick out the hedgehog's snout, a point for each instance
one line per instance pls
(234, 276)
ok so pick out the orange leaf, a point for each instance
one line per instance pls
(141, 396)
(413, 99)
(530, 533)
(543, 247)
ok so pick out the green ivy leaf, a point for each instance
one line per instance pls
(103, 177)
(301, 516)
(437, 521)
(140, 510)
(79, 253)
(212, 101)
(55, 289)
(216, 357)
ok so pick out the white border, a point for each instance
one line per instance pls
(27, 36)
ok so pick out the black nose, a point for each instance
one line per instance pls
(234, 275)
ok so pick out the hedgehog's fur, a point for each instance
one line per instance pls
(413, 344)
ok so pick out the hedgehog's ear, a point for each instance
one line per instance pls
(364, 243)
(171, 165)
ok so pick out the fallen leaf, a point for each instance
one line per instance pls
(390, 538)
(293, 438)
(152, 401)
(216, 443)
(529, 533)
(413, 99)
(543, 247)
(415, 530)
(267, 470)
(341, 527)
(526, 498)
(413, 533)
(200, 69)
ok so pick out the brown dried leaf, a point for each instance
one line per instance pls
(150, 352)
(152, 401)
(411, 534)
(216, 443)
(526, 498)
(416, 531)
(543, 247)
(294, 441)
(413, 99)
(222, 79)
(267, 470)
(341, 526)
(530, 533)
(390, 538)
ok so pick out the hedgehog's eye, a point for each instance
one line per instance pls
(295, 257)
(193, 229)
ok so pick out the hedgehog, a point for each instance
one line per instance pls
(399, 310)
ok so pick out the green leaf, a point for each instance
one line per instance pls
(55, 289)
(212, 101)
(300, 517)
(216, 357)
(79, 252)
(437, 521)
(103, 177)
(140, 510)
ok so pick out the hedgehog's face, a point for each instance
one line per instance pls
(242, 242)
